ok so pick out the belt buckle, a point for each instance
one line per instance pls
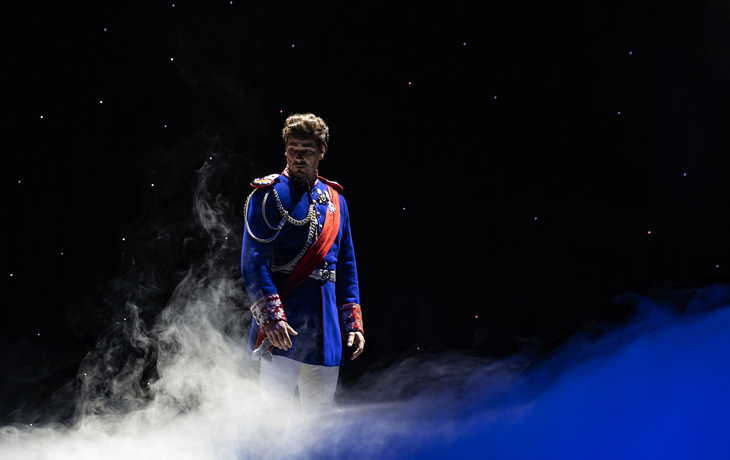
(323, 275)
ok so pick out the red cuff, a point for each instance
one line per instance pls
(268, 310)
(351, 318)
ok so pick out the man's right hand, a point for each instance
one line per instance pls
(278, 334)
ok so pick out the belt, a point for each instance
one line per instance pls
(318, 274)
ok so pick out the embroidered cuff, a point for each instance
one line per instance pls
(268, 310)
(351, 318)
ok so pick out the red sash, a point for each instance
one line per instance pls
(314, 255)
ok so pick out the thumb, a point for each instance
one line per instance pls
(290, 330)
(350, 339)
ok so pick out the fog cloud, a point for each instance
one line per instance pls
(655, 388)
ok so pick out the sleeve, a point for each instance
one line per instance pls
(256, 256)
(347, 288)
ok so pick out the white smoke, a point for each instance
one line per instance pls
(653, 389)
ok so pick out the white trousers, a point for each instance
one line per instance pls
(279, 379)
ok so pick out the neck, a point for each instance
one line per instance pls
(301, 180)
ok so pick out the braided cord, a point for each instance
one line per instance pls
(248, 229)
(310, 218)
(311, 215)
(286, 215)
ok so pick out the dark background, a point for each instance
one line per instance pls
(498, 198)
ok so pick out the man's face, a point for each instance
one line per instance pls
(302, 157)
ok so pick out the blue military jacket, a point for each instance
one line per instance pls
(322, 311)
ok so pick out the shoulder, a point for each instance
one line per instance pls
(263, 182)
(331, 183)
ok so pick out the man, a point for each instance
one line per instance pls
(298, 266)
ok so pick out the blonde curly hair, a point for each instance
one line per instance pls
(306, 125)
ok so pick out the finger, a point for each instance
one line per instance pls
(286, 340)
(270, 335)
(274, 338)
(357, 352)
(360, 346)
(278, 335)
(350, 338)
(291, 331)
(281, 338)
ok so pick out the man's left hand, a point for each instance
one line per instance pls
(358, 340)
